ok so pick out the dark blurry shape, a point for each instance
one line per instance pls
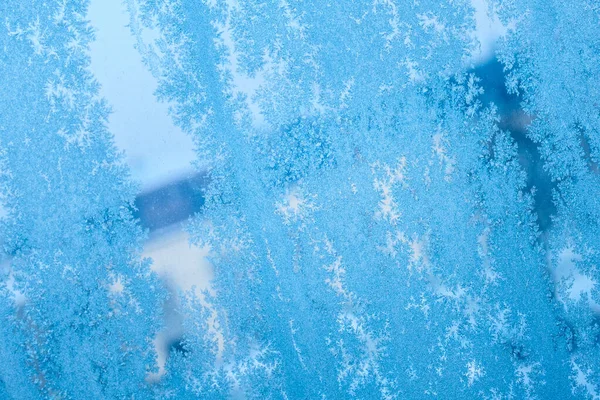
(171, 203)
(179, 346)
(509, 105)
(514, 120)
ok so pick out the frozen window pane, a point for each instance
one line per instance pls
(299, 199)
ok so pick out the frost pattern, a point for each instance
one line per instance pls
(557, 83)
(372, 224)
(69, 231)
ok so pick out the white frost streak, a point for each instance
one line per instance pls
(388, 209)
(490, 275)
(293, 21)
(350, 320)
(430, 22)
(581, 379)
(295, 206)
(394, 22)
(439, 150)
(524, 374)
(36, 37)
(474, 372)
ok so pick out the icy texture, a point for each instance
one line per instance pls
(373, 225)
(552, 60)
(84, 328)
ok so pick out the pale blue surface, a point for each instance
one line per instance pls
(156, 151)
(384, 218)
